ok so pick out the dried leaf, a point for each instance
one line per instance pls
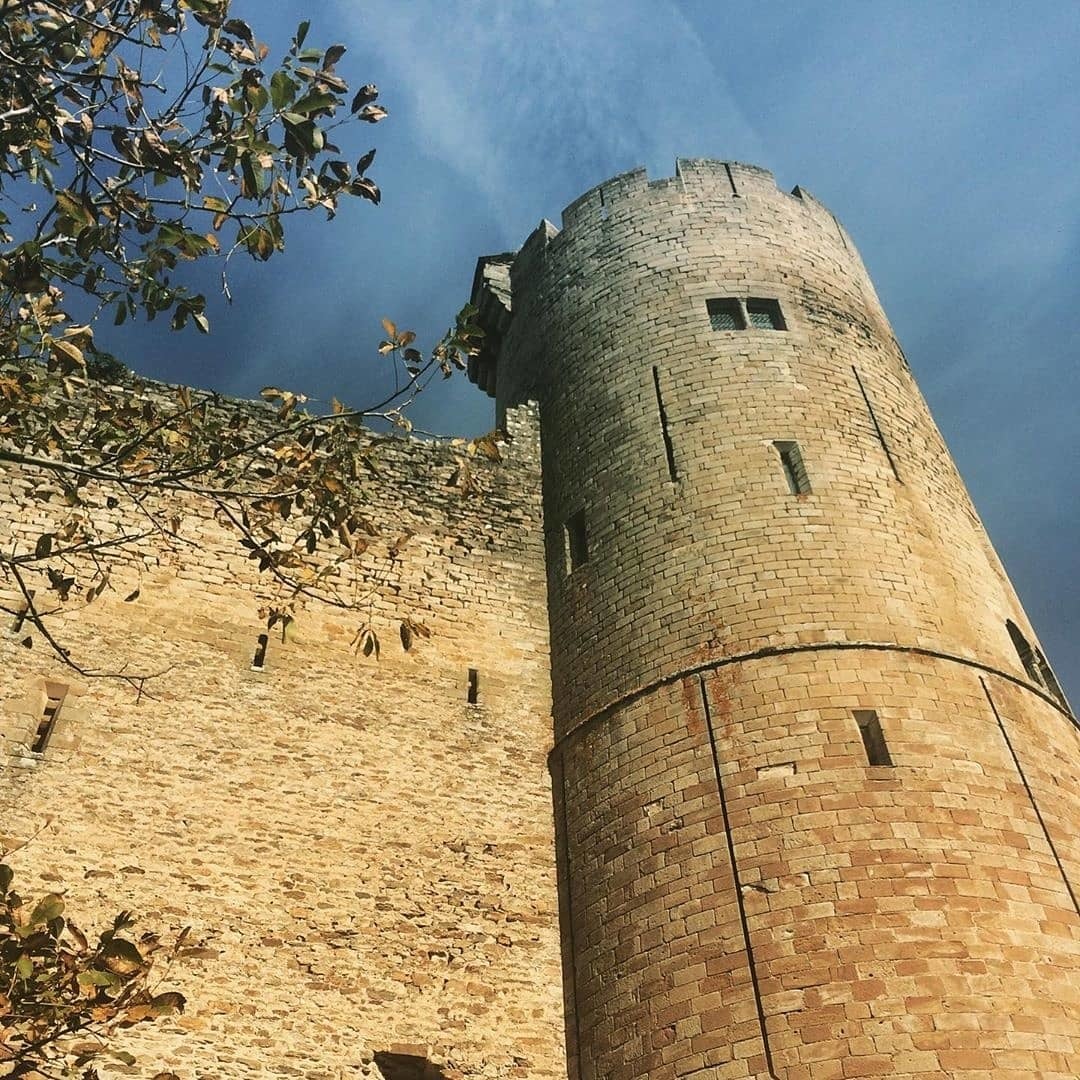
(372, 113)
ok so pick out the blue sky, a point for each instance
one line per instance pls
(945, 136)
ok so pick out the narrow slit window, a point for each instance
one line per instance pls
(473, 695)
(725, 314)
(577, 541)
(47, 723)
(765, 314)
(259, 658)
(1024, 652)
(873, 738)
(669, 448)
(791, 460)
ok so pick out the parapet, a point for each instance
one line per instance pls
(696, 181)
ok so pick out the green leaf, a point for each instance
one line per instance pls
(301, 34)
(314, 102)
(48, 908)
(282, 90)
(257, 97)
(24, 967)
(6, 877)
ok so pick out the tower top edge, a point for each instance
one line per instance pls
(705, 177)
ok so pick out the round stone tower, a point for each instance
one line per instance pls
(816, 785)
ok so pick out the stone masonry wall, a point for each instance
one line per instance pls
(364, 857)
(748, 888)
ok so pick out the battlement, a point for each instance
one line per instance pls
(694, 179)
(630, 213)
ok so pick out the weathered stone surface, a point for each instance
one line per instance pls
(742, 893)
(365, 859)
(368, 862)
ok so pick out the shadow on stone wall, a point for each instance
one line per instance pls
(407, 1067)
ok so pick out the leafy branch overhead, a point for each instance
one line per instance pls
(112, 177)
(136, 138)
(124, 465)
(62, 997)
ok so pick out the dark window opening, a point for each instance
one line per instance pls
(877, 750)
(765, 314)
(1049, 678)
(47, 723)
(577, 541)
(669, 448)
(726, 314)
(754, 313)
(791, 460)
(259, 658)
(473, 695)
(1024, 652)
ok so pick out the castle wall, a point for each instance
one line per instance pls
(365, 859)
(743, 893)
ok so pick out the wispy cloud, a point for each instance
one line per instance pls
(522, 97)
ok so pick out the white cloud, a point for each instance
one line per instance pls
(536, 100)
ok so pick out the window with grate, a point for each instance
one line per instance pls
(765, 314)
(754, 313)
(726, 314)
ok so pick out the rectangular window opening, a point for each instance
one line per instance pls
(577, 541)
(765, 314)
(791, 460)
(669, 448)
(725, 314)
(877, 750)
(55, 695)
(259, 658)
(474, 686)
